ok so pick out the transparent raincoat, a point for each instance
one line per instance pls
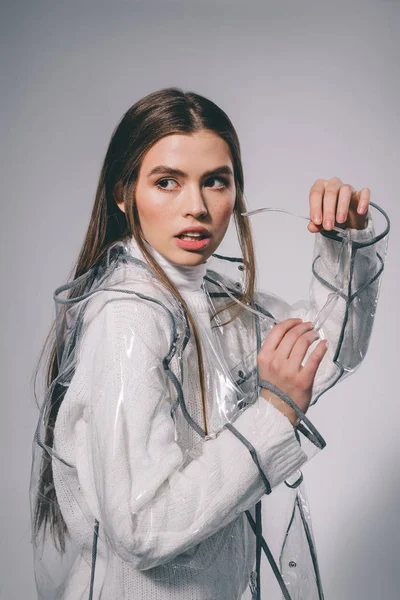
(140, 471)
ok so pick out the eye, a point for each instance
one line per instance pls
(161, 182)
(225, 183)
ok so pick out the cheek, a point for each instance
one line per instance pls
(222, 215)
(152, 208)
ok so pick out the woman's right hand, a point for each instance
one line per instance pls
(280, 363)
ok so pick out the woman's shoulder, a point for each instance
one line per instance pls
(131, 288)
(127, 305)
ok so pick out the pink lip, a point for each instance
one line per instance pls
(195, 244)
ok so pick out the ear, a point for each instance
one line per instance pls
(117, 194)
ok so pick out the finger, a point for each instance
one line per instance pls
(359, 201)
(313, 227)
(290, 338)
(315, 199)
(329, 203)
(364, 201)
(345, 194)
(314, 360)
(277, 332)
(301, 347)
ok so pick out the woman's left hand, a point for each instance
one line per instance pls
(333, 202)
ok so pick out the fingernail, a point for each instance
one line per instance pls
(361, 210)
(341, 217)
(317, 219)
(328, 223)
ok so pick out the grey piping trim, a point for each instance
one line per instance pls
(253, 453)
(377, 274)
(271, 559)
(220, 294)
(237, 294)
(333, 235)
(265, 312)
(312, 550)
(258, 549)
(174, 407)
(258, 346)
(314, 436)
(324, 281)
(346, 314)
(259, 535)
(229, 258)
(310, 545)
(94, 557)
(336, 290)
(297, 483)
(287, 533)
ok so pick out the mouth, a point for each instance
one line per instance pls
(192, 241)
(192, 236)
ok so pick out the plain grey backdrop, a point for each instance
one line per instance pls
(313, 91)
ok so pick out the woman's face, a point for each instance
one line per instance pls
(186, 181)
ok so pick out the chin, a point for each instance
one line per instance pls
(189, 259)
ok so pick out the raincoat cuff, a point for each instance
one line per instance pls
(273, 437)
(363, 235)
(357, 235)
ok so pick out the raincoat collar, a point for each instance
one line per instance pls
(187, 279)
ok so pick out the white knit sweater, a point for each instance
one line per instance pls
(170, 528)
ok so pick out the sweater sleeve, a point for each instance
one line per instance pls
(152, 503)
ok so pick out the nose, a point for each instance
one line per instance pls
(194, 204)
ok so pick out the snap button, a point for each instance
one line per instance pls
(292, 564)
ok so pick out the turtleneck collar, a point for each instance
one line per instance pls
(187, 279)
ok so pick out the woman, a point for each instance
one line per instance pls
(150, 454)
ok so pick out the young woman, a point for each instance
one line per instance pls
(153, 449)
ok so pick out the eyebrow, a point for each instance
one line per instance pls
(165, 170)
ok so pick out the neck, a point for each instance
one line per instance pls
(186, 278)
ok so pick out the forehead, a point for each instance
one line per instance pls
(201, 151)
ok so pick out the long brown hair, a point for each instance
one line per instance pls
(161, 113)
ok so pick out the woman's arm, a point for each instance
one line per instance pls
(152, 499)
(349, 324)
(348, 327)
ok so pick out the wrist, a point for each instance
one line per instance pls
(281, 405)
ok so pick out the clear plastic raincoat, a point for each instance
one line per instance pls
(164, 498)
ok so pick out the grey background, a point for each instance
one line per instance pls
(313, 91)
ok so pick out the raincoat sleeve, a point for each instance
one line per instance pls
(349, 323)
(152, 500)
